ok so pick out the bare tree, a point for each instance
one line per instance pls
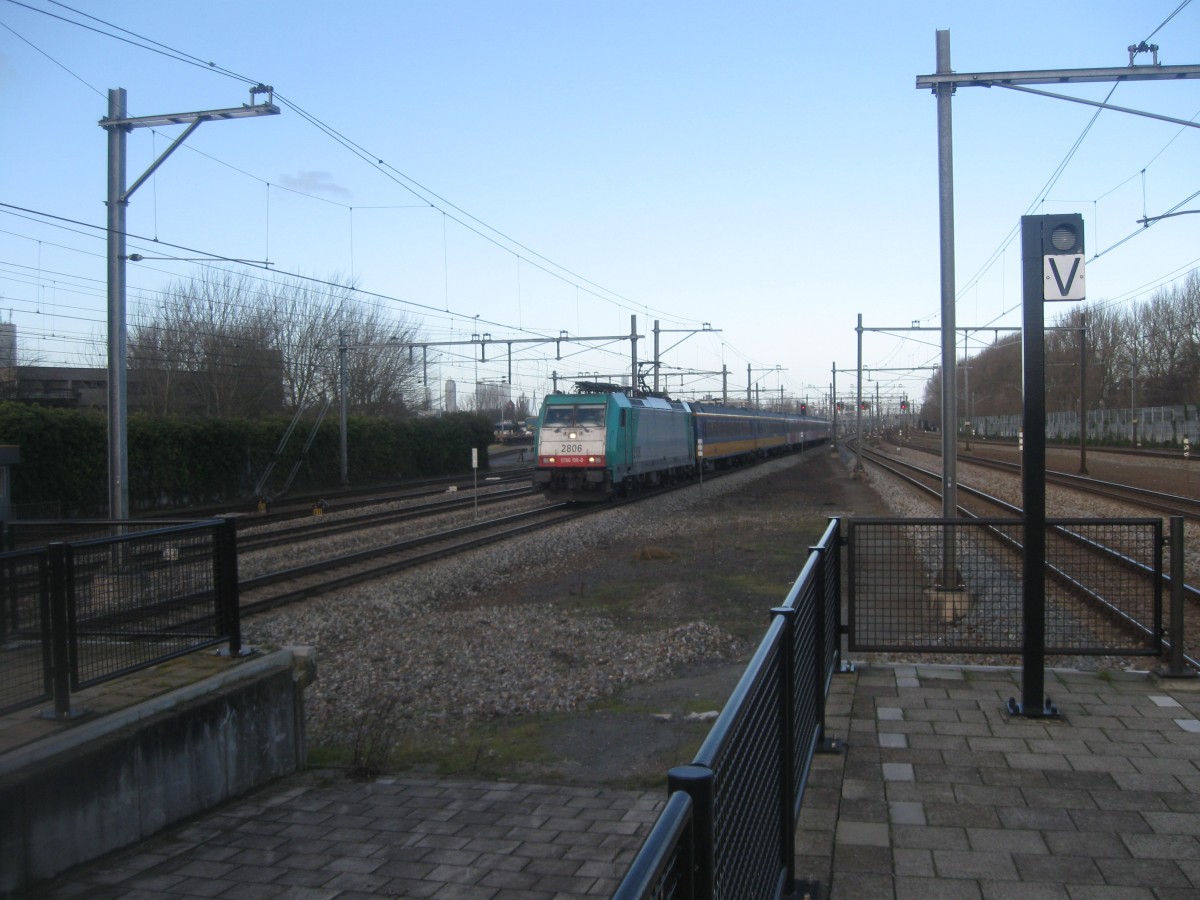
(1190, 311)
(996, 377)
(381, 369)
(206, 348)
(223, 344)
(305, 315)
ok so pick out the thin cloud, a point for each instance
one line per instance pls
(315, 183)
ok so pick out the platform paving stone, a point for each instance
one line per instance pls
(936, 791)
(1100, 803)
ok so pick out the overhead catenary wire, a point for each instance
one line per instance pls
(450, 211)
(1054, 177)
(219, 70)
(463, 218)
(1042, 195)
(80, 227)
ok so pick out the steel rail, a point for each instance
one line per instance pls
(318, 528)
(456, 540)
(1122, 618)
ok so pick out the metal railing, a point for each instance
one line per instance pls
(77, 613)
(728, 829)
(1104, 586)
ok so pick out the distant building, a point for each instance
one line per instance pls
(8, 345)
(491, 397)
(249, 392)
(70, 388)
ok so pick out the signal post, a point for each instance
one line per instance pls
(1052, 268)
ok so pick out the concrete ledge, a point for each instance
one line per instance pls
(105, 784)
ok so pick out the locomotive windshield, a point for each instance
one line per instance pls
(566, 416)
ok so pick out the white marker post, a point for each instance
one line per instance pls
(475, 476)
(1187, 451)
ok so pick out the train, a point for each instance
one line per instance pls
(606, 440)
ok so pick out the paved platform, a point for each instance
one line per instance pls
(942, 794)
(939, 793)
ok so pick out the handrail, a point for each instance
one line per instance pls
(735, 830)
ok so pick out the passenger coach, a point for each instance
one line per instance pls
(729, 433)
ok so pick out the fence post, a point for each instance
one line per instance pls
(818, 614)
(1175, 660)
(60, 661)
(834, 593)
(849, 540)
(225, 572)
(9, 608)
(697, 781)
(787, 744)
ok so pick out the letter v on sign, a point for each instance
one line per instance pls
(1064, 276)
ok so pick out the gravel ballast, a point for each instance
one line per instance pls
(436, 647)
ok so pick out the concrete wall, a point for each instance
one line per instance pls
(114, 782)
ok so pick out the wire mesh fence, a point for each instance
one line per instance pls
(142, 598)
(957, 585)
(25, 673)
(78, 613)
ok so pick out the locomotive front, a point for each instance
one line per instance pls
(571, 442)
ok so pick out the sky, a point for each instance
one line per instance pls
(751, 177)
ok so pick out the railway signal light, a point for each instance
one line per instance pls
(804, 409)
(904, 405)
(1059, 238)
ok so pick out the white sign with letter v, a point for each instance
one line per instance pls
(1063, 276)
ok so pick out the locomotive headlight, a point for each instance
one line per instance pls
(552, 460)
(591, 459)
(573, 436)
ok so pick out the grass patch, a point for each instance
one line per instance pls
(490, 750)
(651, 553)
(653, 772)
(627, 601)
(324, 756)
(754, 583)
(615, 703)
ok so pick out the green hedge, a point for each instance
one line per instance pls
(175, 463)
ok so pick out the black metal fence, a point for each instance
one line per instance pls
(77, 613)
(728, 829)
(956, 585)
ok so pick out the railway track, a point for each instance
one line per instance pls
(277, 588)
(923, 440)
(321, 527)
(302, 505)
(296, 583)
(1160, 501)
(1110, 580)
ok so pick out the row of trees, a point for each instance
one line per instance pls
(222, 344)
(1146, 355)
